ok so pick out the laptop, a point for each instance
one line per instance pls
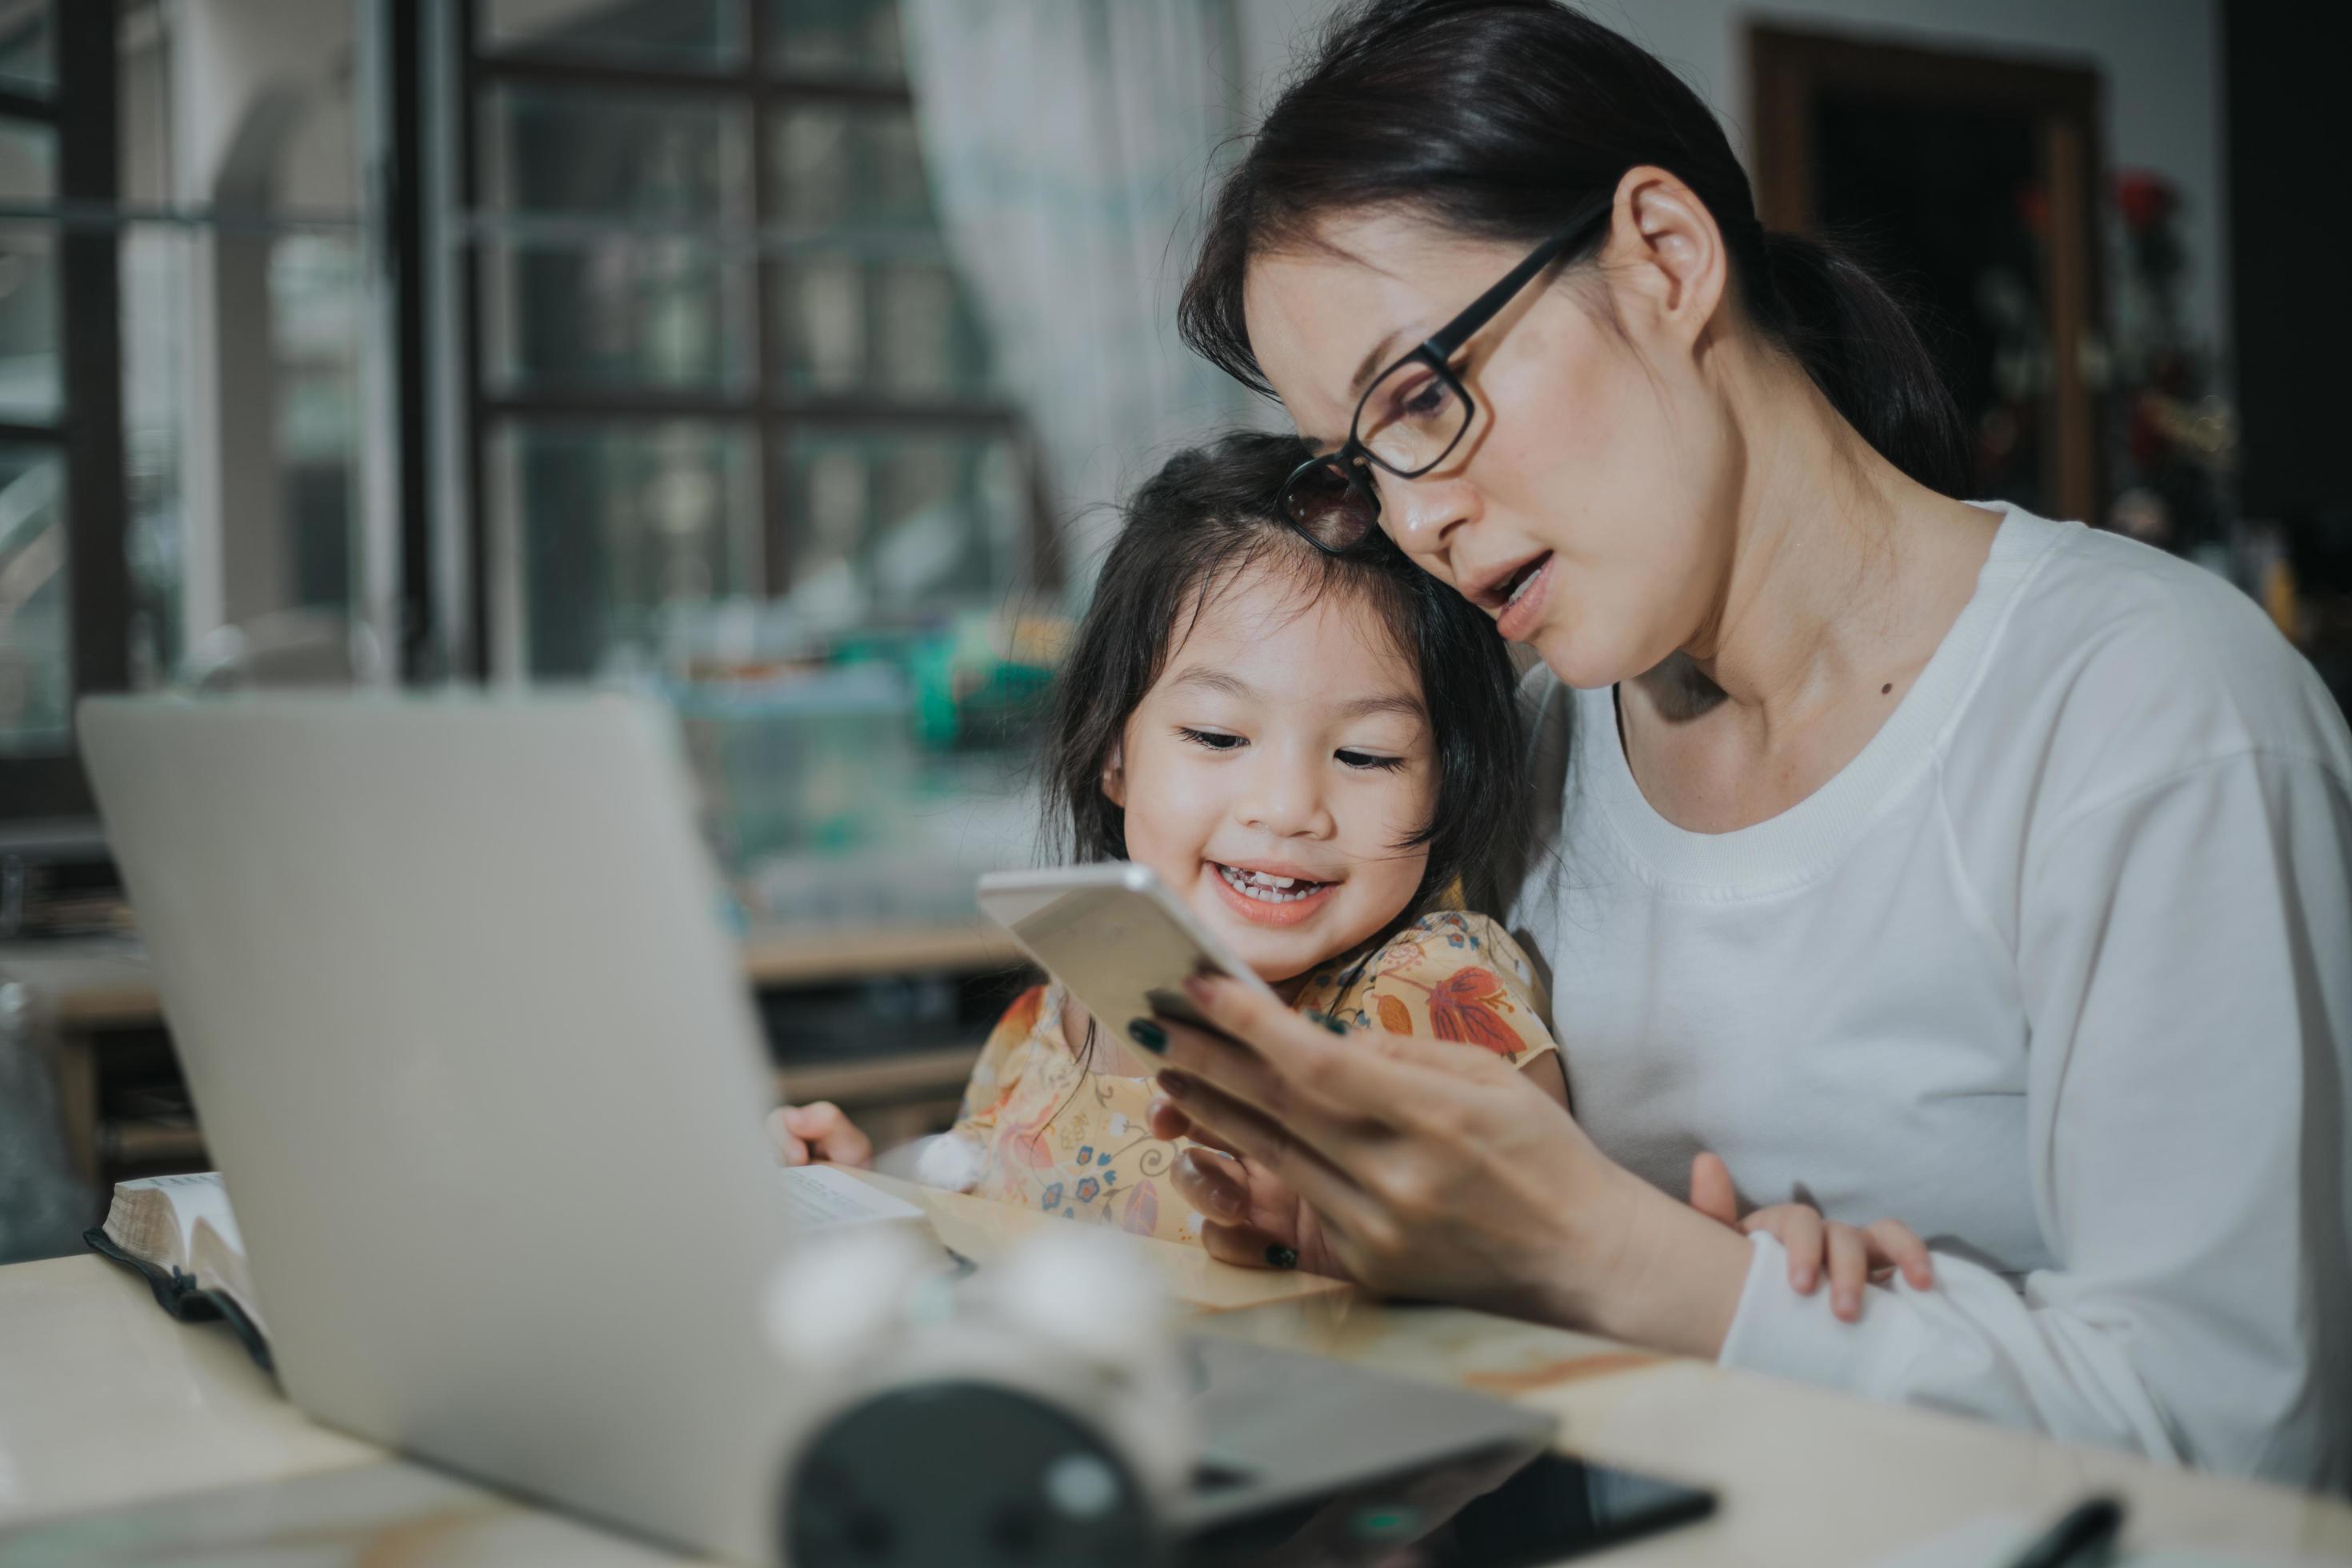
(451, 984)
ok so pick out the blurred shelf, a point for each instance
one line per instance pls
(131, 1143)
(797, 955)
(914, 1075)
(105, 985)
(94, 1000)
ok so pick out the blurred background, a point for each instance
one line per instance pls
(779, 358)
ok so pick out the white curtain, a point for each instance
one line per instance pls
(1068, 144)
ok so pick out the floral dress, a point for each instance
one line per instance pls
(1044, 1132)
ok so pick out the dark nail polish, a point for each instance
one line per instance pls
(1334, 1025)
(1148, 1034)
(1282, 1256)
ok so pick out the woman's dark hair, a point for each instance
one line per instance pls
(1494, 118)
(1205, 519)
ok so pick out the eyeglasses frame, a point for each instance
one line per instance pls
(1353, 460)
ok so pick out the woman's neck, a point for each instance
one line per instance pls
(1841, 578)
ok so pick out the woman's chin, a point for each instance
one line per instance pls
(1586, 661)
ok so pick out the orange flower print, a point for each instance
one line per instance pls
(1395, 1016)
(1464, 1006)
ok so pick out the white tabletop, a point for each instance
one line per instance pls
(108, 1404)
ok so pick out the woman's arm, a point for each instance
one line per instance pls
(2185, 953)
(1437, 1170)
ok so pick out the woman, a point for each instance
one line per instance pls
(1922, 857)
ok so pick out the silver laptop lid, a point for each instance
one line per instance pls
(473, 1050)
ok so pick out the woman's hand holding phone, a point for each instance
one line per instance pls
(1436, 1169)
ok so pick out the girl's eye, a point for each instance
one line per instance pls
(1215, 740)
(1368, 761)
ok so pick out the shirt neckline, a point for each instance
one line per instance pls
(1805, 840)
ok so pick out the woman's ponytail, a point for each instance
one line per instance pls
(1861, 349)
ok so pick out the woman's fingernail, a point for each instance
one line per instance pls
(1224, 1197)
(1148, 1034)
(1199, 988)
(1334, 1025)
(1174, 1085)
(1281, 1257)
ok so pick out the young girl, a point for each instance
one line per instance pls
(1320, 756)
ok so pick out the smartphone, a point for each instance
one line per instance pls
(1115, 937)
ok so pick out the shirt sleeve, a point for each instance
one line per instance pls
(1458, 977)
(2185, 957)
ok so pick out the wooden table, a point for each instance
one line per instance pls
(121, 1429)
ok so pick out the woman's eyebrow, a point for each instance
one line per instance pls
(1375, 358)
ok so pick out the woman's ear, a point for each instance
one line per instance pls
(1666, 257)
(1114, 775)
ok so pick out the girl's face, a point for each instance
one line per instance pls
(1271, 772)
(1597, 477)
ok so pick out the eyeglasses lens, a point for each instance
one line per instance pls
(1411, 417)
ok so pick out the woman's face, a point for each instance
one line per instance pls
(1598, 476)
(1271, 772)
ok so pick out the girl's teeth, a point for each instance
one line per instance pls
(1267, 888)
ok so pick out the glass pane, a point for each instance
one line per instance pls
(853, 166)
(157, 266)
(265, 534)
(837, 38)
(617, 523)
(671, 33)
(318, 331)
(29, 323)
(566, 151)
(620, 311)
(856, 323)
(35, 657)
(28, 162)
(905, 520)
(27, 62)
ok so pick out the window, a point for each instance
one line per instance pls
(184, 317)
(716, 347)
(61, 567)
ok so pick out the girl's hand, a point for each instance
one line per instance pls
(1439, 1170)
(1249, 1216)
(818, 1132)
(1870, 1254)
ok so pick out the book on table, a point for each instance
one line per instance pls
(180, 1234)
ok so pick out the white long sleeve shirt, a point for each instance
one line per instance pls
(2058, 971)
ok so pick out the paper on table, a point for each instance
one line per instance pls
(821, 1197)
(2000, 1539)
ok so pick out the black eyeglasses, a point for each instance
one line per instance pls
(1418, 407)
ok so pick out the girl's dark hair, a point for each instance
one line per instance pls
(1207, 517)
(1496, 118)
